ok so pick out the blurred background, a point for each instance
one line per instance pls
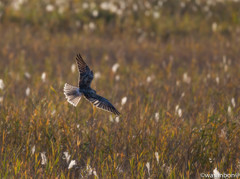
(171, 67)
(146, 19)
(141, 19)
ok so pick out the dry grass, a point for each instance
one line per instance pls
(179, 90)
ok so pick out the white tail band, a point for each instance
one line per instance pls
(72, 94)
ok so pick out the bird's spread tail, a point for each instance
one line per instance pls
(72, 94)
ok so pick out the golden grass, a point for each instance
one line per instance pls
(202, 133)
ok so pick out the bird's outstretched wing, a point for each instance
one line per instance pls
(86, 75)
(82, 66)
(101, 103)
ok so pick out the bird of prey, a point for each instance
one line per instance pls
(74, 94)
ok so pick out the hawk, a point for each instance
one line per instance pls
(74, 94)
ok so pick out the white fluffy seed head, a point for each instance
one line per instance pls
(124, 100)
(66, 156)
(229, 110)
(233, 102)
(44, 158)
(186, 78)
(43, 76)
(216, 174)
(72, 163)
(33, 150)
(27, 75)
(49, 8)
(157, 116)
(148, 167)
(217, 80)
(157, 157)
(117, 119)
(27, 91)
(115, 67)
(73, 68)
(1, 84)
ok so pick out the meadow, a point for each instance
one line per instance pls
(172, 69)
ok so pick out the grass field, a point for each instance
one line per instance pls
(176, 86)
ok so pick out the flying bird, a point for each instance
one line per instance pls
(74, 94)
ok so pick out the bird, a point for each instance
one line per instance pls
(74, 94)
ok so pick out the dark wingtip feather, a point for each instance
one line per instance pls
(116, 112)
(79, 56)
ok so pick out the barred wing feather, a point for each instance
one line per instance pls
(101, 103)
(82, 66)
